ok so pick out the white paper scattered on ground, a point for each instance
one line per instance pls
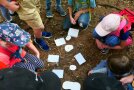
(71, 85)
(68, 38)
(79, 58)
(53, 58)
(58, 72)
(60, 41)
(72, 67)
(73, 32)
(68, 48)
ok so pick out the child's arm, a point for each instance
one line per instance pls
(127, 79)
(13, 6)
(100, 68)
(33, 48)
(70, 15)
(78, 13)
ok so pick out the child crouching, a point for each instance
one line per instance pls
(117, 66)
(11, 52)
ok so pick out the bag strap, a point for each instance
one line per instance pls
(16, 54)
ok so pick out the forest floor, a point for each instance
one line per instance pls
(84, 43)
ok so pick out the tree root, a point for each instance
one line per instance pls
(106, 5)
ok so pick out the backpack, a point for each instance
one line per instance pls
(23, 79)
(129, 15)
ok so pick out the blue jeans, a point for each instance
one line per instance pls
(48, 4)
(110, 40)
(5, 13)
(83, 21)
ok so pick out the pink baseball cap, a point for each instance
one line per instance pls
(108, 24)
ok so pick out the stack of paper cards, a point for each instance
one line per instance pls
(73, 32)
(60, 41)
(53, 58)
(80, 59)
(58, 72)
(71, 85)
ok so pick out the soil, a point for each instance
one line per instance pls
(84, 44)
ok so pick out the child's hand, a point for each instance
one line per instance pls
(72, 20)
(90, 72)
(127, 79)
(13, 6)
(38, 55)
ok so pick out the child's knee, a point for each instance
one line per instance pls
(112, 41)
(83, 24)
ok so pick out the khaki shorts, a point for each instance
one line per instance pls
(29, 12)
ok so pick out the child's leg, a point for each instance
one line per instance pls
(48, 9)
(48, 4)
(36, 62)
(84, 20)
(5, 13)
(59, 8)
(25, 65)
(30, 14)
(112, 41)
(67, 24)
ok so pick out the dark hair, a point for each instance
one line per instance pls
(119, 64)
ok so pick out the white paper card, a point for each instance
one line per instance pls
(80, 59)
(71, 85)
(58, 72)
(68, 38)
(73, 32)
(53, 58)
(68, 48)
(60, 41)
(72, 67)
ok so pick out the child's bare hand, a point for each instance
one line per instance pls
(13, 6)
(72, 21)
(90, 72)
(127, 79)
(38, 55)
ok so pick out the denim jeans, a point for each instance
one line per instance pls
(110, 40)
(5, 13)
(83, 21)
(48, 4)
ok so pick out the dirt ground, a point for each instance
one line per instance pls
(84, 44)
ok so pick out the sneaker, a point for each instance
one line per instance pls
(42, 44)
(61, 11)
(49, 14)
(46, 34)
(104, 51)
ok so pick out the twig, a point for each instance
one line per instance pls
(106, 5)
